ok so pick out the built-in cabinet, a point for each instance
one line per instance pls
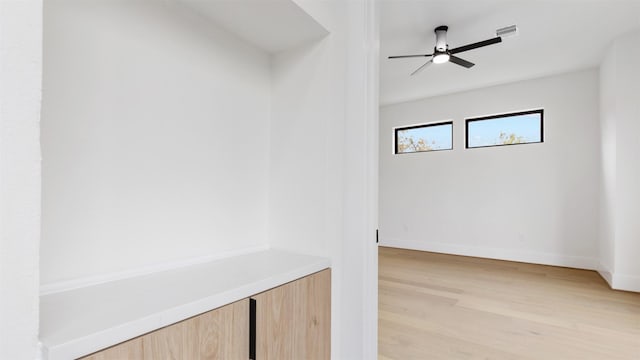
(222, 333)
(131, 349)
(291, 321)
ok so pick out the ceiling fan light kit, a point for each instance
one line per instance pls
(441, 58)
(442, 54)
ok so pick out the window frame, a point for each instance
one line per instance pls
(402, 128)
(498, 116)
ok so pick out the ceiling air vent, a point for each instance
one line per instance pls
(507, 31)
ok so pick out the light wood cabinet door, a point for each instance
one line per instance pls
(293, 321)
(221, 334)
(129, 350)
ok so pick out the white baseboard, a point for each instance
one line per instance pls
(619, 281)
(579, 262)
(606, 274)
(145, 270)
(615, 280)
(625, 282)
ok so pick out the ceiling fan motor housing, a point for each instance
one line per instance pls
(441, 38)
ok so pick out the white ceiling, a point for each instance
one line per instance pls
(554, 37)
(271, 25)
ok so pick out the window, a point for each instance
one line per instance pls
(429, 137)
(507, 129)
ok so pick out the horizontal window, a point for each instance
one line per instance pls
(429, 137)
(507, 129)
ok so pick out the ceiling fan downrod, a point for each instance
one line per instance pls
(441, 38)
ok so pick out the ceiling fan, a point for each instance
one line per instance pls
(442, 53)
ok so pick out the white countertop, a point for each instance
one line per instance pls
(82, 321)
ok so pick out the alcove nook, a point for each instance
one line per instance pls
(177, 134)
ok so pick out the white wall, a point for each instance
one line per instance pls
(321, 157)
(620, 234)
(20, 89)
(360, 251)
(536, 202)
(269, 130)
(155, 138)
(305, 192)
(607, 231)
(628, 167)
(306, 140)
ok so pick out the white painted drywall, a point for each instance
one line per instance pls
(274, 25)
(313, 148)
(608, 101)
(20, 95)
(155, 134)
(360, 251)
(306, 176)
(305, 173)
(627, 247)
(407, 28)
(536, 202)
(620, 110)
(324, 13)
(322, 152)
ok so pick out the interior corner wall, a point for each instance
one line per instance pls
(20, 95)
(535, 202)
(306, 177)
(620, 114)
(607, 231)
(318, 199)
(627, 270)
(155, 129)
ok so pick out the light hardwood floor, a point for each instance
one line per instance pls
(436, 306)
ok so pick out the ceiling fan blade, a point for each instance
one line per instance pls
(409, 56)
(475, 45)
(461, 62)
(422, 67)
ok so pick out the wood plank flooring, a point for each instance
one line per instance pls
(437, 306)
